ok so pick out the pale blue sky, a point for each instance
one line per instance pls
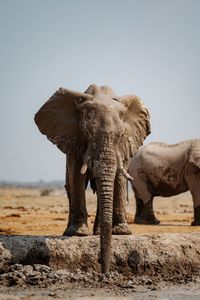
(150, 48)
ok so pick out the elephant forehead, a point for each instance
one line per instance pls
(102, 110)
(107, 101)
(99, 115)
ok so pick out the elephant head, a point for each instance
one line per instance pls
(103, 129)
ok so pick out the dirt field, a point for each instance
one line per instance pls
(43, 212)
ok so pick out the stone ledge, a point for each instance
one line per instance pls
(165, 255)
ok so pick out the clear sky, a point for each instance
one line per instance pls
(150, 48)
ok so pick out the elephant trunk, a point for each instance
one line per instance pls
(105, 189)
(106, 163)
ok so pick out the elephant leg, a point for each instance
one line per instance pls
(96, 227)
(139, 208)
(75, 187)
(196, 221)
(67, 188)
(120, 225)
(119, 211)
(196, 204)
(193, 181)
(144, 201)
(144, 212)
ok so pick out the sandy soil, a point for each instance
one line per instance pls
(25, 211)
(44, 212)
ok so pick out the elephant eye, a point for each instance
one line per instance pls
(80, 100)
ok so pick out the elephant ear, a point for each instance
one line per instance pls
(138, 120)
(194, 153)
(59, 117)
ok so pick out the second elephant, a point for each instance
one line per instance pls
(165, 170)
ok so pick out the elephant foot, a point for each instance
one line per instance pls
(146, 220)
(195, 222)
(77, 230)
(121, 229)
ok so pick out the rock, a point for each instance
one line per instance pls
(42, 268)
(45, 260)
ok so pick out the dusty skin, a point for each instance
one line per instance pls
(27, 212)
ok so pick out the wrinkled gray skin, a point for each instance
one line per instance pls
(99, 132)
(165, 170)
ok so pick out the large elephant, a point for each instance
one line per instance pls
(99, 132)
(165, 170)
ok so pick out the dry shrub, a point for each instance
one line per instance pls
(45, 192)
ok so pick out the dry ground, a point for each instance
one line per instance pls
(45, 211)
(27, 212)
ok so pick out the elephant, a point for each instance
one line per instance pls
(99, 132)
(165, 170)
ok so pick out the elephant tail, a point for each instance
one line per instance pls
(194, 153)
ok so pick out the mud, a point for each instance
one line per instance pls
(36, 262)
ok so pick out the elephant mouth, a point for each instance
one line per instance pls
(87, 161)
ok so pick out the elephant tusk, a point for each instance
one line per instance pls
(84, 168)
(126, 175)
(122, 169)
